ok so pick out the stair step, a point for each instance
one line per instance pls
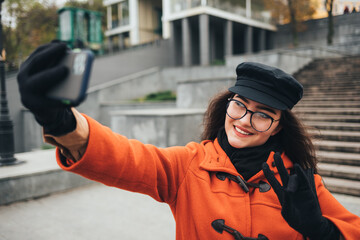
(337, 79)
(332, 96)
(321, 80)
(320, 77)
(334, 135)
(330, 111)
(344, 186)
(334, 89)
(340, 171)
(321, 104)
(333, 83)
(329, 98)
(340, 126)
(330, 118)
(339, 157)
(322, 69)
(328, 71)
(337, 146)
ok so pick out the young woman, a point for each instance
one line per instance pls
(252, 176)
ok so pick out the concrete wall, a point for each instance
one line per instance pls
(288, 60)
(37, 176)
(161, 127)
(16, 108)
(197, 93)
(32, 132)
(107, 108)
(109, 67)
(125, 88)
(178, 74)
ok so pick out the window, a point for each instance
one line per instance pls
(120, 14)
(65, 26)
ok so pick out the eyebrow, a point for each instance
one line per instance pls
(261, 107)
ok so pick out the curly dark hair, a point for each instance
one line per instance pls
(294, 137)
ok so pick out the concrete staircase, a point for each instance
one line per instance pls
(331, 108)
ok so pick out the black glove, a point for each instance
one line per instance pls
(37, 75)
(300, 205)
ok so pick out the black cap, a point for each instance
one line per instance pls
(267, 85)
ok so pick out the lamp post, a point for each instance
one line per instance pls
(6, 126)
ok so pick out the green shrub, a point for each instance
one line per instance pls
(47, 146)
(159, 96)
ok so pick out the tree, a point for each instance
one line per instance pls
(11, 37)
(35, 24)
(95, 5)
(329, 4)
(294, 12)
(293, 20)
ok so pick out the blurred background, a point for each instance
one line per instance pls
(157, 64)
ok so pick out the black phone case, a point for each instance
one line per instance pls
(72, 91)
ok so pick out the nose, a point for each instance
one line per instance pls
(246, 120)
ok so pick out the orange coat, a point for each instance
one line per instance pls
(185, 178)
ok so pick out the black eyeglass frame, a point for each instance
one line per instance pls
(252, 114)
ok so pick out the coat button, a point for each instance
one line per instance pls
(218, 225)
(221, 176)
(264, 186)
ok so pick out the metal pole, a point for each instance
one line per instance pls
(6, 126)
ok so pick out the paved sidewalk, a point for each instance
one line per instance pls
(97, 212)
(92, 212)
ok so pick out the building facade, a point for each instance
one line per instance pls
(201, 32)
(338, 7)
(80, 28)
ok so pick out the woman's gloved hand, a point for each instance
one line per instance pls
(37, 75)
(300, 206)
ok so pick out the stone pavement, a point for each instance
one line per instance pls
(92, 212)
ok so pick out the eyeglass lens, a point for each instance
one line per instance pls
(259, 121)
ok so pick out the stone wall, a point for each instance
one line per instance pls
(160, 127)
(346, 32)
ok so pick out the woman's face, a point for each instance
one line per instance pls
(241, 134)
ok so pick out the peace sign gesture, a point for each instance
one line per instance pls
(300, 205)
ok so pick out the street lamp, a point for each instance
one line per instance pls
(6, 126)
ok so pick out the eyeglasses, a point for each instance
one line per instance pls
(259, 121)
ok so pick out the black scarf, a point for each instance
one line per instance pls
(248, 161)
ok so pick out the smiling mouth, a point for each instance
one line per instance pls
(242, 131)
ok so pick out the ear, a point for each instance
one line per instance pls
(276, 130)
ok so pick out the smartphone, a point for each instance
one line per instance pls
(72, 91)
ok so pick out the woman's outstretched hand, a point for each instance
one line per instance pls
(37, 75)
(300, 205)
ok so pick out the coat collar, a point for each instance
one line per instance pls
(216, 160)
